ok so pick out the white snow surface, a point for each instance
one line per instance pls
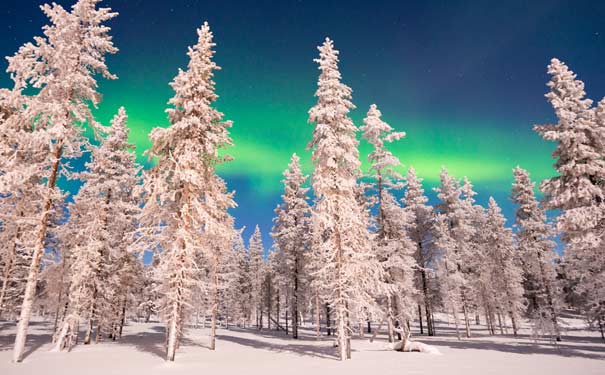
(247, 351)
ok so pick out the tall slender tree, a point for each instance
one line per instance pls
(393, 246)
(350, 272)
(186, 208)
(102, 218)
(454, 232)
(291, 233)
(60, 67)
(257, 269)
(537, 256)
(419, 230)
(506, 274)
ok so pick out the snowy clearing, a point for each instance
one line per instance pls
(247, 351)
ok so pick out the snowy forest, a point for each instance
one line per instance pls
(357, 255)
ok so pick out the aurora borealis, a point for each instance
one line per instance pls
(464, 80)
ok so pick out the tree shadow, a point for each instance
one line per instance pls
(34, 340)
(153, 341)
(299, 347)
(519, 347)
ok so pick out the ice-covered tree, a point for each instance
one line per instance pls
(392, 245)
(59, 68)
(185, 214)
(577, 190)
(349, 271)
(102, 219)
(536, 253)
(419, 229)
(506, 273)
(234, 292)
(291, 233)
(454, 232)
(257, 269)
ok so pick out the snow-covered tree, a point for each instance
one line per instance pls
(102, 220)
(257, 269)
(506, 273)
(291, 233)
(146, 302)
(454, 231)
(577, 191)
(419, 229)
(185, 214)
(536, 253)
(60, 69)
(349, 271)
(392, 245)
(234, 288)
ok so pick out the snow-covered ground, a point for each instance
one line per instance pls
(247, 351)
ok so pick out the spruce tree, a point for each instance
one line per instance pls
(291, 233)
(185, 214)
(60, 69)
(348, 271)
(537, 256)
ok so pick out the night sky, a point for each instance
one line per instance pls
(464, 79)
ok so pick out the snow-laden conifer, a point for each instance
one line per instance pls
(60, 69)
(291, 233)
(392, 245)
(102, 221)
(185, 213)
(536, 253)
(257, 269)
(419, 229)
(348, 271)
(577, 191)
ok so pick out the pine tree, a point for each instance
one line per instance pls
(454, 231)
(185, 214)
(60, 68)
(536, 253)
(419, 230)
(393, 246)
(102, 218)
(257, 269)
(348, 271)
(231, 296)
(577, 190)
(506, 273)
(291, 233)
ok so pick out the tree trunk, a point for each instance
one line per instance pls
(277, 312)
(600, 329)
(295, 302)
(456, 322)
(122, 320)
(215, 296)
(328, 329)
(317, 315)
(172, 332)
(425, 291)
(269, 301)
(420, 319)
(467, 323)
(342, 339)
(34, 269)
